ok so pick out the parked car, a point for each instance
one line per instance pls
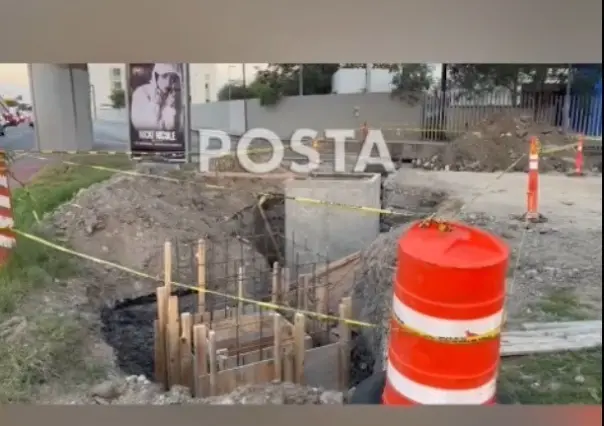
(31, 120)
(2, 125)
(10, 119)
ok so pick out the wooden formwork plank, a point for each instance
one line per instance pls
(173, 338)
(201, 276)
(161, 362)
(213, 364)
(200, 343)
(277, 346)
(300, 347)
(276, 284)
(186, 351)
(288, 364)
(168, 266)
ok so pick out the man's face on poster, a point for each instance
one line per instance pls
(167, 82)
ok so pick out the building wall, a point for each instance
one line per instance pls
(360, 80)
(102, 81)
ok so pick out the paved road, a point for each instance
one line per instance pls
(107, 137)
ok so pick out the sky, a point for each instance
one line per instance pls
(14, 81)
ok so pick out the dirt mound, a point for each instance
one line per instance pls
(497, 142)
(127, 219)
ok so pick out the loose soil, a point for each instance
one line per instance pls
(127, 219)
(501, 140)
(555, 271)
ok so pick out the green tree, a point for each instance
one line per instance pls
(279, 80)
(411, 81)
(234, 91)
(118, 98)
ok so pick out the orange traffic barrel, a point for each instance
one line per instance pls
(7, 236)
(447, 311)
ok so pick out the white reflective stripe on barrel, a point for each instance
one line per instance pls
(445, 328)
(428, 395)
(7, 242)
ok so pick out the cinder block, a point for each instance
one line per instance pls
(327, 231)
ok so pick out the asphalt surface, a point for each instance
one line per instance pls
(107, 137)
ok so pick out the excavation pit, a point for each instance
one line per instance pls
(327, 226)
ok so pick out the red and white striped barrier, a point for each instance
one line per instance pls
(7, 236)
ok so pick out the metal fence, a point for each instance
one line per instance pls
(444, 118)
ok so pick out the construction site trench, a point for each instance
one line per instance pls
(127, 324)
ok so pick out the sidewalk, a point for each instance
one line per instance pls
(24, 168)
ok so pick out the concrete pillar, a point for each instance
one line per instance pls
(61, 102)
(316, 233)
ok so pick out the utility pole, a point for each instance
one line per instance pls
(301, 81)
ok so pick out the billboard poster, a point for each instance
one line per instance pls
(156, 110)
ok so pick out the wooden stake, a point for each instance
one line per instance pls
(200, 342)
(221, 357)
(186, 351)
(344, 358)
(278, 349)
(288, 365)
(161, 362)
(201, 276)
(299, 348)
(173, 337)
(306, 289)
(285, 286)
(276, 293)
(213, 364)
(168, 266)
(321, 296)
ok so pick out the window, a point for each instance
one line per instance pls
(116, 85)
(207, 86)
(116, 73)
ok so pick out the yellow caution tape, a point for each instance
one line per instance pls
(265, 305)
(469, 339)
(340, 205)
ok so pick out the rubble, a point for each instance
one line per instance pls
(138, 390)
(497, 142)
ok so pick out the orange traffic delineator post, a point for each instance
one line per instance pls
(532, 208)
(7, 236)
(364, 131)
(449, 294)
(579, 159)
